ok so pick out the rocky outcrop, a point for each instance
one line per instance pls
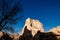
(45, 36)
(5, 36)
(14, 36)
(33, 26)
(33, 30)
(56, 31)
(1, 34)
(27, 35)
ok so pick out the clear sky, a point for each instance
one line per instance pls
(46, 11)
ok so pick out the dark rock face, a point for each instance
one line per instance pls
(27, 35)
(6, 37)
(45, 36)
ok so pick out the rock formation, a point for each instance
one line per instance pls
(33, 26)
(33, 30)
(27, 35)
(1, 34)
(56, 31)
(5, 36)
(45, 36)
(14, 36)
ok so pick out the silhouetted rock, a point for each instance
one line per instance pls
(27, 35)
(5, 37)
(45, 36)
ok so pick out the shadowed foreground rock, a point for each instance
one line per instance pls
(27, 35)
(45, 36)
(5, 37)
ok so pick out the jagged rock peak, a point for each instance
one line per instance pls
(33, 26)
(55, 30)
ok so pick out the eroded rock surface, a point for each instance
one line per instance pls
(56, 31)
(33, 26)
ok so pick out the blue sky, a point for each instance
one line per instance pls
(46, 11)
